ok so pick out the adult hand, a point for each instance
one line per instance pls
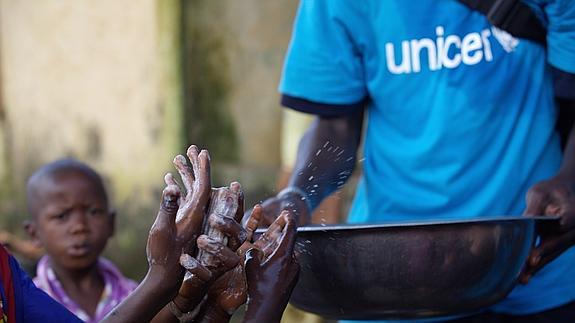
(272, 271)
(291, 201)
(553, 197)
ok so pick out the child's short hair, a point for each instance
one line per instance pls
(56, 168)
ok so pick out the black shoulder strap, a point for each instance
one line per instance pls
(513, 16)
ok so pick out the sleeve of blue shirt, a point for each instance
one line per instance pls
(33, 304)
(561, 45)
(323, 64)
(561, 34)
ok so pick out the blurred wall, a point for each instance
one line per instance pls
(82, 78)
(125, 85)
(233, 54)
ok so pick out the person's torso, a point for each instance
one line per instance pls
(461, 124)
(462, 117)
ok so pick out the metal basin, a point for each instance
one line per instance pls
(410, 270)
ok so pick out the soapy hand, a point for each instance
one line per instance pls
(271, 271)
(180, 217)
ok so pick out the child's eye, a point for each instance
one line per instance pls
(61, 216)
(94, 211)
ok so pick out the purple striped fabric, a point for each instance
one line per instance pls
(116, 288)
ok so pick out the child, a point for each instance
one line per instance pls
(71, 219)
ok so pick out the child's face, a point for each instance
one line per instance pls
(72, 220)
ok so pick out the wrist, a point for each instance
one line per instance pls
(566, 173)
(162, 282)
(263, 311)
(190, 295)
(297, 195)
(214, 313)
(294, 200)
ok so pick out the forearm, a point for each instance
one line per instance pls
(194, 293)
(262, 312)
(568, 164)
(165, 316)
(142, 304)
(326, 156)
(212, 313)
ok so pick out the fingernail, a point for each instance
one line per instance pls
(169, 201)
(207, 153)
(535, 260)
(179, 159)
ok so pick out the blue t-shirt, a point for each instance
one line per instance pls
(32, 304)
(461, 115)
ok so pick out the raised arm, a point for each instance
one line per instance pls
(174, 233)
(325, 160)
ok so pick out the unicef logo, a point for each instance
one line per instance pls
(445, 51)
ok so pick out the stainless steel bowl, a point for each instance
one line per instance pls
(410, 270)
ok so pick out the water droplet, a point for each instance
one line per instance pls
(318, 152)
(310, 178)
(326, 143)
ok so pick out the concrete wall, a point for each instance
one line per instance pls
(233, 54)
(124, 85)
(82, 78)
(96, 80)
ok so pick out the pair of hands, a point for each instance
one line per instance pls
(263, 272)
(172, 241)
(290, 202)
